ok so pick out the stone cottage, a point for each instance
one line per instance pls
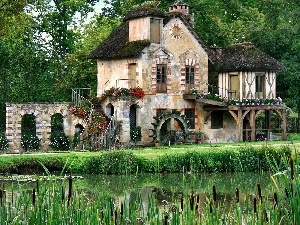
(162, 53)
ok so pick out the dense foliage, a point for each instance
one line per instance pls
(30, 142)
(59, 141)
(44, 44)
(3, 142)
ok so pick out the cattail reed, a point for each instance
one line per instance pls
(275, 200)
(237, 195)
(192, 200)
(115, 216)
(70, 189)
(254, 205)
(259, 193)
(166, 217)
(122, 209)
(292, 168)
(266, 216)
(214, 194)
(181, 204)
(197, 202)
(33, 196)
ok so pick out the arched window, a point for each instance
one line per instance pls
(110, 110)
(29, 140)
(28, 125)
(57, 123)
(79, 128)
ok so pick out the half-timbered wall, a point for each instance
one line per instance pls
(246, 85)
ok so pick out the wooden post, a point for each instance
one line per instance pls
(283, 124)
(252, 124)
(240, 125)
(268, 122)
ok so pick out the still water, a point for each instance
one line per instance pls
(165, 186)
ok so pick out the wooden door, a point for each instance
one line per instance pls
(234, 87)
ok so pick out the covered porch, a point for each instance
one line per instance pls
(245, 117)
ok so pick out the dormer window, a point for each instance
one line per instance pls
(155, 30)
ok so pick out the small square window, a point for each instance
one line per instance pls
(190, 117)
(216, 120)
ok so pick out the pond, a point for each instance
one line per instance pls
(166, 186)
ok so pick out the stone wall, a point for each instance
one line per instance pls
(42, 113)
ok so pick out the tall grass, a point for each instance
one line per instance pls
(54, 202)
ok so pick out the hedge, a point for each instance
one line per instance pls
(241, 159)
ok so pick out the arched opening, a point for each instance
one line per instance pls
(172, 130)
(79, 128)
(58, 139)
(29, 140)
(132, 115)
(28, 125)
(57, 123)
(135, 130)
(170, 127)
(78, 131)
(109, 110)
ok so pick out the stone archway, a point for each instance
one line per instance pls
(161, 122)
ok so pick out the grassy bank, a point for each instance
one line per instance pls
(180, 158)
(51, 202)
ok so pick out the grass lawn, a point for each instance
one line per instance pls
(154, 152)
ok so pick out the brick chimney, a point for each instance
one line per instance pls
(179, 7)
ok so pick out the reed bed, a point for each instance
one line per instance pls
(56, 202)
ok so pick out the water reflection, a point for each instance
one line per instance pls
(175, 186)
(167, 186)
(176, 183)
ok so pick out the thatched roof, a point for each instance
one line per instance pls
(246, 57)
(143, 10)
(117, 44)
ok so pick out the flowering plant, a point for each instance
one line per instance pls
(98, 124)
(123, 92)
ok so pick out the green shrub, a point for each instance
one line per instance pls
(30, 142)
(262, 158)
(76, 139)
(3, 143)
(59, 141)
(135, 133)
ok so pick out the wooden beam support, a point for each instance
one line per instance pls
(206, 116)
(233, 115)
(240, 125)
(252, 124)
